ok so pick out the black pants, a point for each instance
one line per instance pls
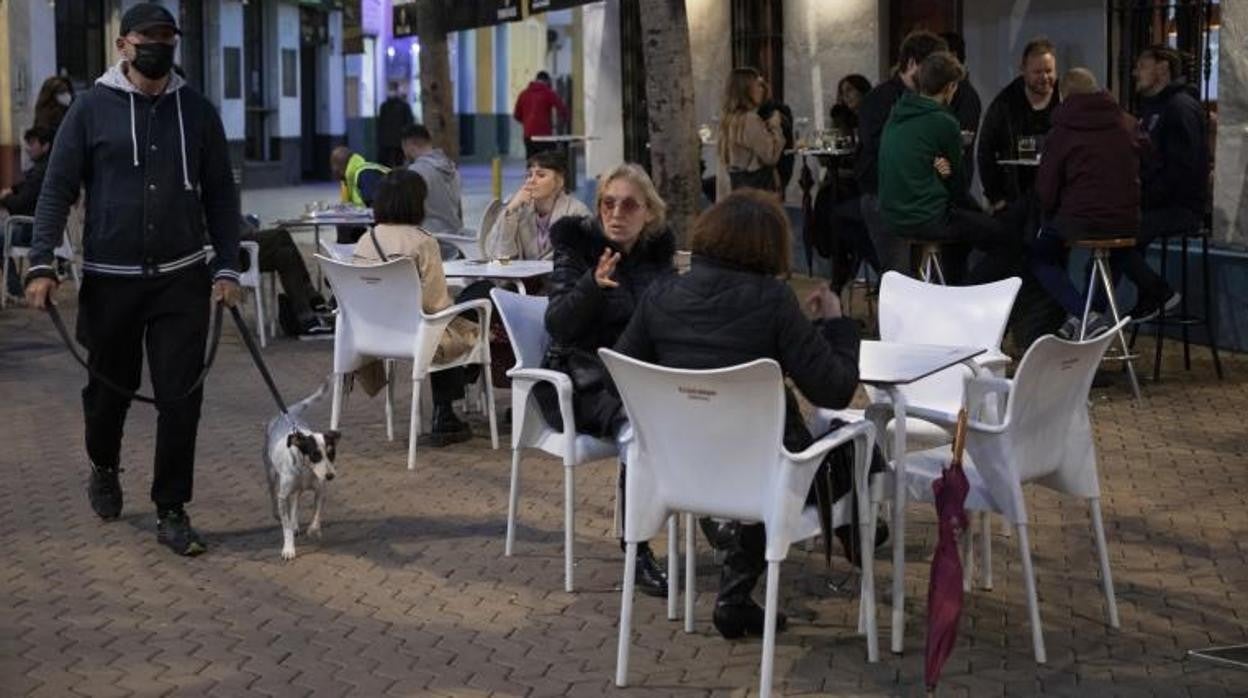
(278, 253)
(117, 318)
(960, 231)
(1154, 223)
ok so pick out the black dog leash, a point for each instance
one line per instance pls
(131, 394)
(212, 355)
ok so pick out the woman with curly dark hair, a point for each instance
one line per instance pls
(53, 102)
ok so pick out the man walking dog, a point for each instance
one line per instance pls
(153, 157)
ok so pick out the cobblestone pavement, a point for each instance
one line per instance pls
(409, 592)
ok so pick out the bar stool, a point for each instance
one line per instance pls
(929, 261)
(1184, 319)
(1100, 270)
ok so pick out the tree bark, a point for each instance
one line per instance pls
(674, 146)
(435, 76)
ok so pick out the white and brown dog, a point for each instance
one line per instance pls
(296, 460)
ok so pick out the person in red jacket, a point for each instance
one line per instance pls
(533, 110)
(1088, 186)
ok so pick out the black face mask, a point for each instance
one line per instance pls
(153, 59)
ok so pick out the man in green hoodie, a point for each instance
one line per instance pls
(922, 195)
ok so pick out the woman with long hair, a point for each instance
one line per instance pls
(603, 266)
(850, 92)
(55, 96)
(749, 147)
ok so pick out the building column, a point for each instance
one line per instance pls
(223, 49)
(27, 58)
(604, 118)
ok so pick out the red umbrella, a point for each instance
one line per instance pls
(944, 590)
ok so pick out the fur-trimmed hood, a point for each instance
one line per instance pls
(583, 237)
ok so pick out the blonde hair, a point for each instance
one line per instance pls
(638, 178)
(737, 102)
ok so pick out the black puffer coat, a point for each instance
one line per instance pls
(717, 316)
(582, 317)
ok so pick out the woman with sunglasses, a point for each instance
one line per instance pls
(523, 231)
(602, 268)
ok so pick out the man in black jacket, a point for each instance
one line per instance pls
(20, 200)
(153, 157)
(1175, 181)
(1021, 112)
(876, 106)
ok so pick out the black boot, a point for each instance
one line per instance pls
(650, 578)
(104, 492)
(447, 428)
(737, 620)
(736, 613)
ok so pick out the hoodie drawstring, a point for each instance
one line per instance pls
(134, 140)
(186, 179)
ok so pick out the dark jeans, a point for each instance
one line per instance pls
(959, 231)
(117, 318)
(852, 228)
(892, 253)
(1154, 223)
(1047, 257)
(447, 385)
(279, 254)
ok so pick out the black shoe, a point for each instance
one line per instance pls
(447, 428)
(104, 491)
(317, 327)
(735, 620)
(720, 534)
(650, 579)
(173, 530)
(1147, 309)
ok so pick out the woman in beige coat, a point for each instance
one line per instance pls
(749, 147)
(398, 210)
(523, 231)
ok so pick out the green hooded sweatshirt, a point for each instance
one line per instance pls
(917, 132)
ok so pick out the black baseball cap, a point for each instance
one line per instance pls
(146, 15)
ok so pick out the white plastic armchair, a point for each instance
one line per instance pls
(339, 252)
(380, 317)
(710, 443)
(915, 312)
(524, 318)
(18, 254)
(489, 216)
(1045, 438)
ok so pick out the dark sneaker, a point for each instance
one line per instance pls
(319, 327)
(1147, 309)
(173, 530)
(104, 491)
(446, 429)
(650, 579)
(741, 619)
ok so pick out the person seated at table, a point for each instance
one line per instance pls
(359, 179)
(749, 147)
(1088, 186)
(398, 211)
(838, 204)
(523, 231)
(602, 268)
(734, 307)
(850, 92)
(443, 207)
(308, 311)
(893, 254)
(20, 199)
(922, 188)
(1022, 112)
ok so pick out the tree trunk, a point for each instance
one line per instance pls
(435, 76)
(674, 146)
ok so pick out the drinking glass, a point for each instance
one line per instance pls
(1027, 148)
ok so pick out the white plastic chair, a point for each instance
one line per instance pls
(1045, 438)
(488, 217)
(19, 254)
(337, 251)
(372, 324)
(710, 443)
(253, 280)
(524, 318)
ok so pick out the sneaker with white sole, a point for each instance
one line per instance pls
(1147, 309)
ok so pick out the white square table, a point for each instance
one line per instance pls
(888, 366)
(516, 270)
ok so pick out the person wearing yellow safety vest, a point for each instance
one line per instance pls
(359, 179)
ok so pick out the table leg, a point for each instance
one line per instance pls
(520, 287)
(316, 249)
(899, 516)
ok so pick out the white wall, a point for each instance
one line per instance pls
(824, 42)
(603, 95)
(710, 25)
(223, 27)
(331, 112)
(996, 33)
(27, 58)
(1230, 193)
(284, 21)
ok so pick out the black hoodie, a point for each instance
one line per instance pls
(1010, 117)
(1177, 174)
(156, 170)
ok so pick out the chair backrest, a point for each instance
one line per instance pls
(379, 309)
(708, 441)
(915, 312)
(337, 251)
(1048, 403)
(488, 217)
(524, 317)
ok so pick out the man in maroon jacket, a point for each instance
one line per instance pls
(1088, 186)
(533, 108)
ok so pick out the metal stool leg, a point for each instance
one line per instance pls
(1158, 335)
(1210, 318)
(1091, 293)
(1184, 324)
(1102, 266)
